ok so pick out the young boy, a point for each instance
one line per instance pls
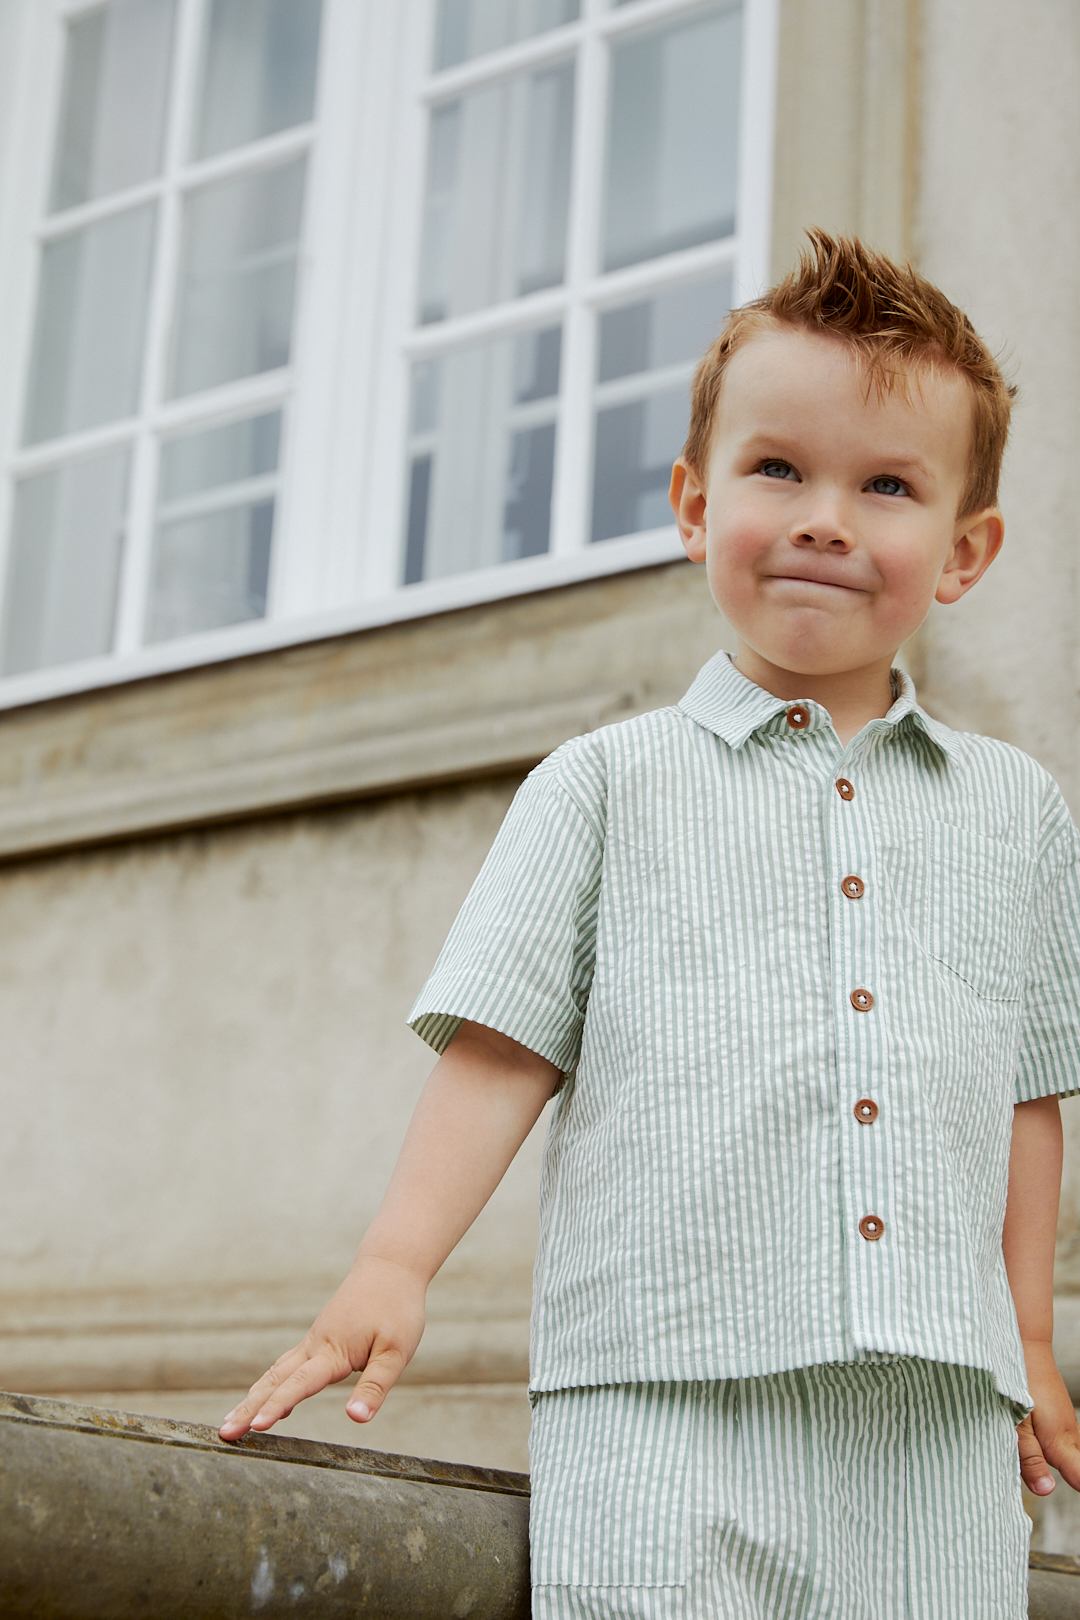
(801, 966)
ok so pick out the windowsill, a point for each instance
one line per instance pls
(418, 601)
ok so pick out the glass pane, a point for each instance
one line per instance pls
(237, 278)
(90, 325)
(467, 28)
(677, 323)
(672, 138)
(481, 454)
(631, 457)
(210, 567)
(210, 571)
(635, 445)
(114, 100)
(214, 458)
(258, 71)
(63, 566)
(497, 193)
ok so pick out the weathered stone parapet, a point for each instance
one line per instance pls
(106, 1514)
(109, 1514)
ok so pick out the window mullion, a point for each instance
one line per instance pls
(320, 414)
(757, 121)
(574, 439)
(377, 543)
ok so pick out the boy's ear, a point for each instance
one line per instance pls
(976, 543)
(687, 499)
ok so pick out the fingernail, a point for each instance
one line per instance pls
(227, 1418)
(1044, 1483)
(261, 1417)
(358, 1409)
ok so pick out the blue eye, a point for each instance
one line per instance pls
(887, 478)
(772, 462)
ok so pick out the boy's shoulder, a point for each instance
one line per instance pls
(591, 754)
(596, 765)
(979, 751)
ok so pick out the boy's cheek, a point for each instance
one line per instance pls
(739, 544)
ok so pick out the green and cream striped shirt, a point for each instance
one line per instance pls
(795, 989)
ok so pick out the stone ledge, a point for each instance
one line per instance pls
(107, 1512)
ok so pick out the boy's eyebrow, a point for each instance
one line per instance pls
(777, 441)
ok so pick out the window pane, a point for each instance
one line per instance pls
(631, 456)
(212, 541)
(677, 323)
(497, 193)
(672, 135)
(210, 571)
(63, 566)
(481, 454)
(258, 71)
(237, 278)
(635, 446)
(467, 28)
(114, 100)
(213, 458)
(89, 325)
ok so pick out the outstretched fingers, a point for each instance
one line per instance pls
(294, 1376)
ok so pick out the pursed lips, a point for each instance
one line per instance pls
(806, 579)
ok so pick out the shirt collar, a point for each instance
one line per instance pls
(726, 701)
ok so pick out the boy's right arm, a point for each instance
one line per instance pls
(480, 1102)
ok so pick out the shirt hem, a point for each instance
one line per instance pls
(1018, 1396)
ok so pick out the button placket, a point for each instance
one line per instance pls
(853, 887)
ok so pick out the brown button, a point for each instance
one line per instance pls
(798, 717)
(844, 788)
(866, 1110)
(871, 1227)
(861, 999)
(853, 887)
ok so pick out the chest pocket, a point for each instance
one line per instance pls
(966, 899)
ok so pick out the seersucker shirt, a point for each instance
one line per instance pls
(794, 989)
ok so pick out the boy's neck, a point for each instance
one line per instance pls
(852, 696)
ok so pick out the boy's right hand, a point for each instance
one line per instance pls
(372, 1324)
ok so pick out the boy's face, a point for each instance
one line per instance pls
(805, 478)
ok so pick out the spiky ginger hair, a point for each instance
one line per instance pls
(894, 321)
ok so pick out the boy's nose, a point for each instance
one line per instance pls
(822, 530)
(823, 517)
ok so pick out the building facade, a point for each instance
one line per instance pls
(348, 349)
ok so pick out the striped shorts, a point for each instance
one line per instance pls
(884, 1488)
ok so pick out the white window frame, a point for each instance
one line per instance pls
(344, 397)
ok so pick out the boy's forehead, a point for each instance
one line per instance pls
(786, 381)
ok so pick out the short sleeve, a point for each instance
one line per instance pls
(520, 953)
(1048, 1061)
